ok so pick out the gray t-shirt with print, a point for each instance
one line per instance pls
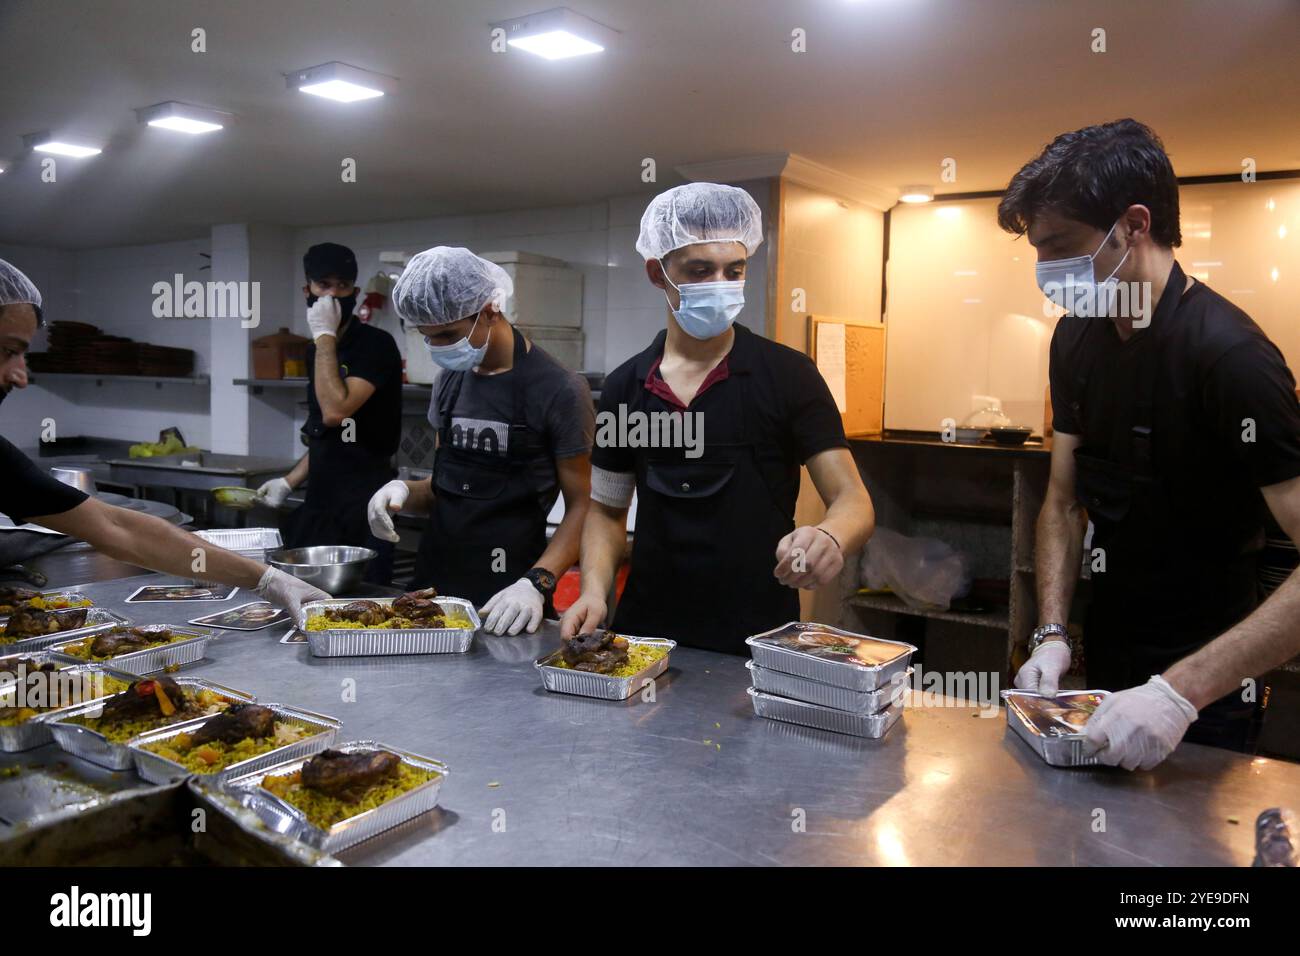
(558, 406)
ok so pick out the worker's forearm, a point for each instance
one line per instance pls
(851, 519)
(1058, 543)
(1267, 638)
(298, 473)
(152, 543)
(419, 501)
(331, 393)
(604, 538)
(562, 551)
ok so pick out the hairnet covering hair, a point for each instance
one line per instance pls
(16, 288)
(329, 260)
(446, 284)
(699, 212)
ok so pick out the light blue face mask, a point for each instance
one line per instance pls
(1072, 284)
(707, 308)
(459, 356)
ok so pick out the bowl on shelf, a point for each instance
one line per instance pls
(334, 568)
(970, 436)
(1011, 434)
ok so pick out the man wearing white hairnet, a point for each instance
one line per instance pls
(514, 431)
(716, 555)
(29, 494)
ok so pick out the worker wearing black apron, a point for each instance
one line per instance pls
(710, 426)
(514, 430)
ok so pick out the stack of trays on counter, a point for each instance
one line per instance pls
(1054, 727)
(821, 676)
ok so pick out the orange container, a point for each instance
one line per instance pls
(279, 355)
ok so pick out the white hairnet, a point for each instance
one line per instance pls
(16, 288)
(446, 284)
(699, 212)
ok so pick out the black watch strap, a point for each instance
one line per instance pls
(543, 580)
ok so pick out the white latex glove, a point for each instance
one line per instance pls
(286, 591)
(324, 316)
(1139, 727)
(513, 609)
(385, 503)
(1042, 672)
(274, 492)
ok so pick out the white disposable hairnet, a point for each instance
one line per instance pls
(699, 212)
(446, 284)
(16, 288)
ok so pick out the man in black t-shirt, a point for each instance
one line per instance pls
(709, 426)
(29, 494)
(1176, 425)
(354, 415)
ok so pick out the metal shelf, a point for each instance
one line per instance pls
(998, 620)
(159, 380)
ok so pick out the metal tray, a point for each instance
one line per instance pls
(43, 656)
(861, 702)
(282, 817)
(854, 677)
(89, 744)
(1058, 749)
(158, 769)
(824, 718)
(382, 642)
(152, 659)
(36, 731)
(57, 592)
(98, 620)
(565, 680)
(251, 542)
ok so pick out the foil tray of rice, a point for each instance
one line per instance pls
(143, 649)
(49, 693)
(14, 596)
(604, 665)
(344, 795)
(100, 731)
(420, 622)
(1055, 728)
(29, 628)
(828, 654)
(240, 739)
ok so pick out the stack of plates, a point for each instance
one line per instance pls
(824, 677)
(1277, 561)
(79, 347)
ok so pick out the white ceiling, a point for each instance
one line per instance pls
(887, 89)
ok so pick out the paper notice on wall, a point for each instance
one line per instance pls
(830, 360)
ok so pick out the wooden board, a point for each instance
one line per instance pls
(864, 361)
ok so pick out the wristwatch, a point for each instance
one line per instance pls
(1044, 631)
(543, 580)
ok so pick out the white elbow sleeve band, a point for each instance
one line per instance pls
(614, 489)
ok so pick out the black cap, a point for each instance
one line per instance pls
(329, 260)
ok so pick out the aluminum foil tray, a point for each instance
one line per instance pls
(98, 620)
(91, 745)
(158, 769)
(36, 731)
(251, 542)
(827, 654)
(1051, 725)
(190, 650)
(282, 817)
(824, 718)
(67, 593)
(828, 695)
(565, 680)
(383, 642)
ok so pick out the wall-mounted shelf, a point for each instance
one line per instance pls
(157, 381)
(298, 384)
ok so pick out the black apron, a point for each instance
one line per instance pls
(1167, 589)
(706, 535)
(484, 504)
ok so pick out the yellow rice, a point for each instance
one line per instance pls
(319, 622)
(324, 811)
(82, 648)
(120, 731)
(639, 657)
(91, 689)
(218, 755)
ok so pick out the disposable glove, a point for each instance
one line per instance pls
(514, 609)
(286, 591)
(324, 316)
(1139, 727)
(1042, 672)
(274, 492)
(385, 503)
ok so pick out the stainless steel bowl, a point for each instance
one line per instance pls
(82, 479)
(334, 568)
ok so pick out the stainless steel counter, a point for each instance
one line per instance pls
(695, 778)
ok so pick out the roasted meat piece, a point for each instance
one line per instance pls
(29, 622)
(348, 776)
(597, 652)
(367, 612)
(12, 595)
(236, 724)
(420, 607)
(9, 669)
(123, 640)
(145, 698)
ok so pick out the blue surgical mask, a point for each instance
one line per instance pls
(459, 356)
(707, 308)
(1067, 281)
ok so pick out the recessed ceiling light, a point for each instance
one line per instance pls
(916, 194)
(339, 81)
(43, 142)
(184, 118)
(557, 34)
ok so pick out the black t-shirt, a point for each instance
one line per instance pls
(26, 491)
(790, 415)
(1224, 421)
(369, 353)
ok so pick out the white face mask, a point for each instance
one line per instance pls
(459, 356)
(707, 309)
(1066, 282)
